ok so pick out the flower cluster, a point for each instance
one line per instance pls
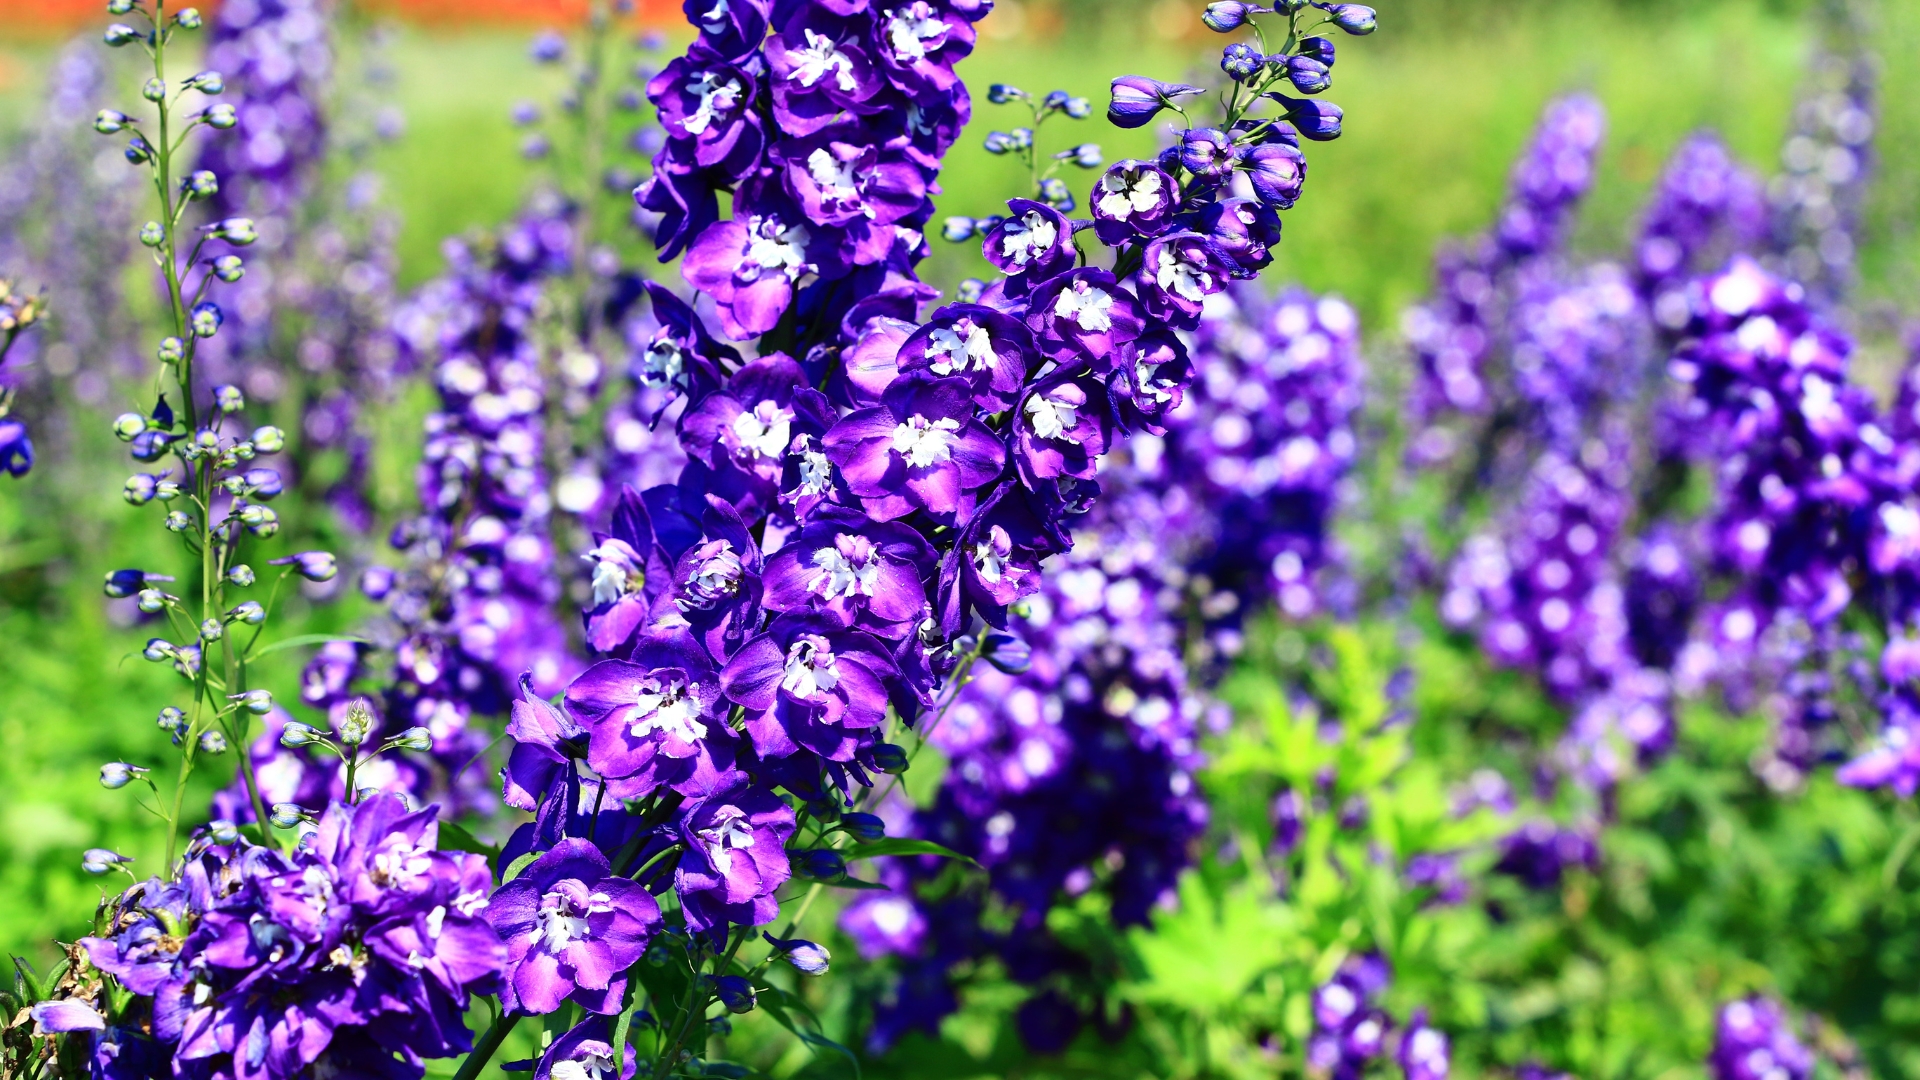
(1351, 1030)
(1752, 1041)
(1706, 208)
(1826, 163)
(357, 952)
(1456, 335)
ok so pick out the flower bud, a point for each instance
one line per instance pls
(208, 82)
(155, 90)
(229, 268)
(172, 721)
(123, 583)
(152, 601)
(735, 992)
(249, 612)
(1309, 76)
(809, 957)
(241, 575)
(1241, 61)
(139, 152)
(212, 742)
(119, 7)
(1225, 16)
(206, 318)
(153, 234)
(268, 440)
(140, 489)
(158, 649)
(1088, 156)
(222, 831)
(171, 350)
(821, 864)
(212, 630)
(262, 482)
(287, 815)
(261, 521)
(201, 185)
(228, 398)
(1054, 101)
(357, 723)
(188, 19)
(297, 734)
(111, 121)
(257, 702)
(1055, 193)
(863, 827)
(957, 230)
(120, 34)
(1356, 19)
(998, 142)
(1078, 108)
(890, 759)
(414, 738)
(128, 425)
(1317, 48)
(1001, 93)
(100, 860)
(177, 521)
(221, 116)
(118, 774)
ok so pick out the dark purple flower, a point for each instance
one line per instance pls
(741, 433)
(1088, 310)
(919, 42)
(709, 102)
(991, 350)
(1207, 153)
(16, 448)
(1034, 242)
(715, 593)
(544, 738)
(1316, 120)
(586, 1052)
(884, 924)
(853, 570)
(1062, 427)
(656, 719)
(997, 560)
(1149, 380)
(818, 70)
(1752, 1041)
(1133, 198)
(1137, 99)
(1425, 1052)
(1179, 271)
(752, 263)
(839, 177)
(731, 28)
(809, 685)
(572, 930)
(628, 572)
(1246, 229)
(922, 448)
(736, 857)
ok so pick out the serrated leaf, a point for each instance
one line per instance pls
(901, 845)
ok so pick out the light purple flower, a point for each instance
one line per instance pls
(656, 719)
(856, 571)
(736, 857)
(922, 448)
(572, 930)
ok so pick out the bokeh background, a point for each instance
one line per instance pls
(1714, 884)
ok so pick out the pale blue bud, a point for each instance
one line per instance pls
(118, 774)
(212, 742)
(101, 860)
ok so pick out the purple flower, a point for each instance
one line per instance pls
(993, 351)
(656, 719)
(16, 448)
(920, 41)
(809, 685)
(585, 1052)
(1752, 1041)
(1277, 171)
(1179, 272)
(1062, 427)
(736, 857)
(710, 102)
(544, 739)
(1149, 380)
(922, 448)
(997, 560)
(1207, 153)
(818, 70)
(855, 571)
(1137, 99)
(1087, 310)
(1246, 229)
(839, 177)
(733, 29)
(1133, 198)
(571, 929)
(884, 924)
(1033, 242)
(752, 263)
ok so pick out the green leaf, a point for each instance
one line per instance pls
(900, 845)
(305, 639)
(455, 838)
(856, 883)
(519, 864)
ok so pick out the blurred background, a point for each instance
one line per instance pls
(1439, 103)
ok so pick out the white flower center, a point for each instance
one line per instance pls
(1089, 308)
(913, 32)
(834, 177)
(811, 668)
(1124, 193)
(961, 347)
(730, 830)
(1027, 238)
(669, 709)
(816, 472)
(925, 442)
(992, 556)
(821, 57)
(589, 1066)
(563, 919)
(765, 431)
(1179, 275)
(716, 577)
(716, 97)
(1050, 417)
(849, 568)
(662, 364)
(776, 247)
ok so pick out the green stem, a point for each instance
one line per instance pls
(488, 1046)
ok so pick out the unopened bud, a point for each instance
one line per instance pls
(414, 738)
(155, 90)
(153, 234)
(297, 734)
(287, 815)
(863, 827)
(222, 116)
(208, 82)
(249, 612)
(269, 439)
(735, 992)
(118, 774)
(158, 649)
(212, 742)
(111, 121)
(101, 860)
(212, 630)
(889, 758)
(171, 350)
(229, 268)
(202, 185)
(312, 565)
(241, 575)
(152, 601)
(357, 723)
(821, 864)
(257, 702)
(206, 319)
(177, 521)
(188, 19)
(120, 34)
(224, 832)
